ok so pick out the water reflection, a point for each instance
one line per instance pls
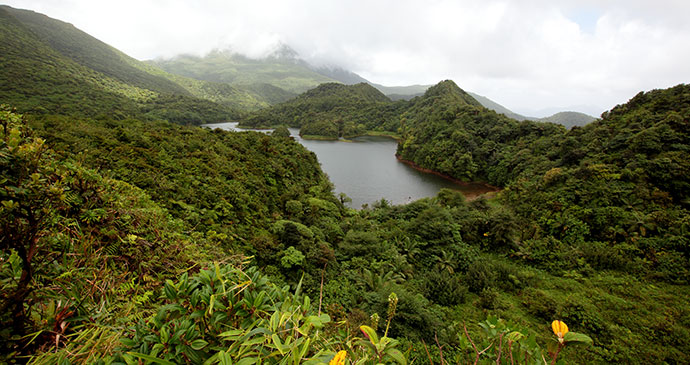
(366, 170)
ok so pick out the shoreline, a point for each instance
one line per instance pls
(490, 188)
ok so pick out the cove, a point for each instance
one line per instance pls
(367, 170)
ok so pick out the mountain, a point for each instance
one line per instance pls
(331, 110)
(498, 108)
(281, 69)
(569, 119)
(396, 93)
(448, 131)
(341, 75)
(566, 119)
(51, 66)
(130, 241)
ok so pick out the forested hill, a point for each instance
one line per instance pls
(281, 69)
(332, 110)
(448, 131)
(569, 119)
(127, 239)
(50, 66)
(621, 180)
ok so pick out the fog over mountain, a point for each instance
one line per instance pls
(527, 56)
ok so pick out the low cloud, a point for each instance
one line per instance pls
(526, 55)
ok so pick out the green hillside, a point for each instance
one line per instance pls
(332, 111)
(50, 66)
(286, 73)
(126, 239)
(533, 254)
(569, 119)
(448, 131)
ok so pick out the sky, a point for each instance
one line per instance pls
(528, 55)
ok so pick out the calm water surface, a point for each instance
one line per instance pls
(367, 171)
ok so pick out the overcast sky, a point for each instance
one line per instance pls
(526, 55)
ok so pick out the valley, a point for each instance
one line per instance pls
(130, 234)
(365, 170)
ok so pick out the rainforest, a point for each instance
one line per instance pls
(130, 235)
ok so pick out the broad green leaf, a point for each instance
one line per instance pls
(199, 344)
(574, 337)
(247, 361)
(278, 343)
(397, 356)
(305, 348)
(231, 333)
(370, 333)
(169, 290)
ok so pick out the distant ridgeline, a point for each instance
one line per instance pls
(49, 66)
(129, 239)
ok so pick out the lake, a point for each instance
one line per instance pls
(366, 170)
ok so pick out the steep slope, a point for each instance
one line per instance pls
(50, 66)
(448, 131)
(37, 78)
(280, 70)
(332, 110)
(498, 108)
(617, 192)
(91, 53)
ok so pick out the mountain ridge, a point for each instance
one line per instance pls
(70, 72)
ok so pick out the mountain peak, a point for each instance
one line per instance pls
(284, 52)
(361, 91)
(449, 89)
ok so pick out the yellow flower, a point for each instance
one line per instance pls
(339, 358)
(560, 329)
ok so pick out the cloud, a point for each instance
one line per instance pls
(527, 54)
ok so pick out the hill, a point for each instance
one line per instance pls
(127, 241)
(557, 243)
(448, 131)
(50, 66)
(331, 111)
(569, 119)
(498, 108)
(279, 69)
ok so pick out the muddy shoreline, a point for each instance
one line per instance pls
(489, 189)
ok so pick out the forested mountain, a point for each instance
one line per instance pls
(282, 75)
(498, 108)
(448, 131)
(569, 119)
(332, 111)
(50, 66)
(280, 69)
(129, 239)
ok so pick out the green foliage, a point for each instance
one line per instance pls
(118, 223)
(71, 238)
(226, 314)
(281, 131)
(254, 74)
(332, 110)
(51, 67)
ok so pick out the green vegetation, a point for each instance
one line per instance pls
(569, 119)
(283, 71)
(333, 111)
(51, 67)
(127, 239)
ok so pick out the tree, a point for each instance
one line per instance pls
(31, 192)
(281, 131)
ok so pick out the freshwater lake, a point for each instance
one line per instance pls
(366, 170)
